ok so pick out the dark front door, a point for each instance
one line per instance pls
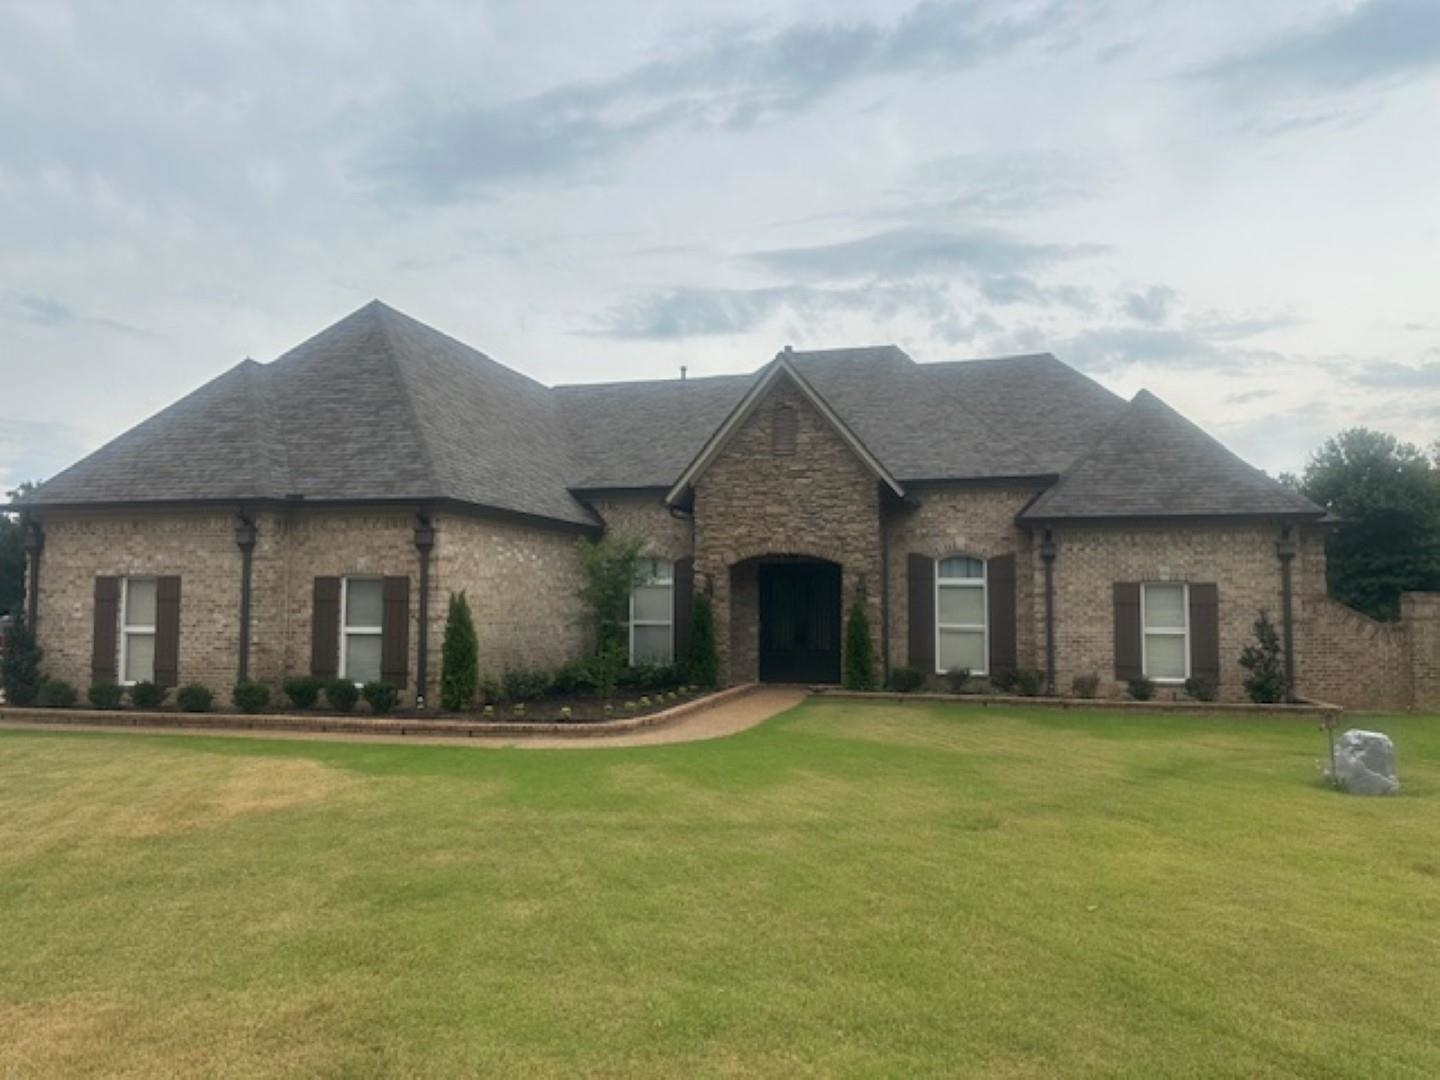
(799, 622)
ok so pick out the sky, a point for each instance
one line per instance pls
(1233, 204)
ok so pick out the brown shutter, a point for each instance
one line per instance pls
(1205, 631)
(325, 629)
(1127, 631)
(395, 632)
(106, 652)
(684, 603)
(1000, 587)
(921, 571)
(167, 631)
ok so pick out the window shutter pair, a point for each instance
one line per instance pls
(105, 653)
(1204, 631)
(394, 630)
(684, 605)
(1000, 588)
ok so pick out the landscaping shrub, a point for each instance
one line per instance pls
(381, 697)
(1141, 689)
(459, 657)
(250, 696)
(147, 695)
(702, 666)
(906, 680)
(526, 684)
(1085, 686)
(605, 669)
(20, 665)
(342, 694)
(105, 695)
(303, 692)
(648, 676)
(572, 677)
(1202, 688)
(56, 694)
(490, 690)
(957, 679)
(192, 697)
(1002, 681)
(1265, 682)
(859, 652)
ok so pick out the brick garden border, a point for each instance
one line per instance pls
(362, 725)
(1303, 710)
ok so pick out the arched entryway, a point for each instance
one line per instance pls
(793, 610)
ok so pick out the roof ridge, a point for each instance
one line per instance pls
(402, 374)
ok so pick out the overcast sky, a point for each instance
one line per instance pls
(1234, 204)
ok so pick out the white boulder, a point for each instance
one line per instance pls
(1365, 763)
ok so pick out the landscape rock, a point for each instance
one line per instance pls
(1365, 763)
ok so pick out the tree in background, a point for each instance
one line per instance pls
(459, 657)
(859, 652)
(20, 664)
(1387, 495)
(12, 556)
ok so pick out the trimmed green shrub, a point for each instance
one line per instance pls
(380, 696)
(1141, 689)
(526, 684)
(957, 680)
(250, 696)
(702, 664)
(459, 657)
(147, 695)
(1202, 688)
(1002, 681)
(303, 691)
(573, 677)
(105, 695)
(192, 697)
(906, 680)
(605, 669)
(490, 690)
(342, 694)
(859, 651)
(20, 665)
(1028, 682)
(56, 694)
(1085, 686)
(1265, 682)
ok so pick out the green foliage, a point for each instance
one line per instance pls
(958, 679)
(1027, 682)
(105, 695)
(381, 697)
(859, 650)
(573, 677)
(1202, 688)
(610, 570)
(12, 564)
(702, 665)
(1262, 659)
(342, 694)
(906, 680)
(303, 691)
(649, 676)
(193, 697)
(147, 695)
(459, 657)
(605, 669)
(1085, 686)
(525, 684)
(20, 665)
(491, 690)
(250, 696)
(1387, 495)
(56, 694)
(1141, 689)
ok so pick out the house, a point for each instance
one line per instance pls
(310, 515)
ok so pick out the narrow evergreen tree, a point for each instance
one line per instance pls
(20, 668)
(1265, 682)
(459, 657)
(702, 664)
(859, 652)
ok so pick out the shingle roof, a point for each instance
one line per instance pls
(380, 406)
(1152, 462)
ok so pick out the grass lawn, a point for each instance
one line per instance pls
(847, 889)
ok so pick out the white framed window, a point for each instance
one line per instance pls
(362, 613)
(137, 630)
(962, 625)
(652, 614)
(1165, 631)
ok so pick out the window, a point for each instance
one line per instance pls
(784, 430)
(652, 614)
(1165, 643)
(962, 637)
(362, 608)
(137, 631)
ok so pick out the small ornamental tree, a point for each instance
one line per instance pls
(702, 665)
(1265, 681)
(459, 657)
(610, 570)
(859, 652)
(20, 666)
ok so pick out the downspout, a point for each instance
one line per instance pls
(884, 594)
(245, 535)
(1286, 549)
(34, 545)
(1047, 556)
(424, 545)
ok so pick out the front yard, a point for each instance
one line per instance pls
(851, 889)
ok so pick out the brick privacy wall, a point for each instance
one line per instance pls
(820, 501)
(645, 516)
(977, 521)
(1354, 660)
(1420, 613)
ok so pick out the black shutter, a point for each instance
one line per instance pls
(1127, 631)
(1000, 588)
(684, 605)
(106, 651)
(167, 631)
(921, 573)
(1205, 631)
(325, 629)
(395, 632)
